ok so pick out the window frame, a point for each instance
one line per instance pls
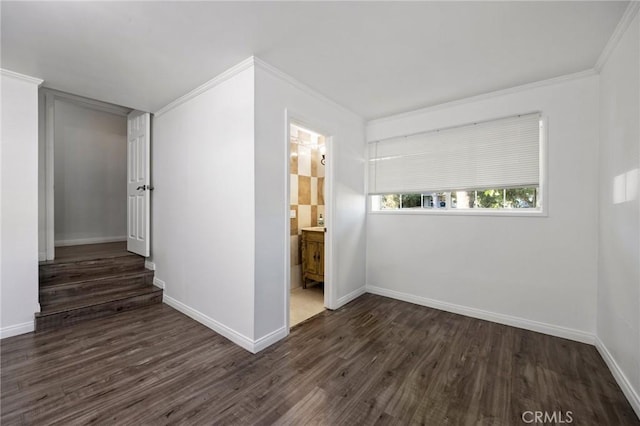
(543, 211)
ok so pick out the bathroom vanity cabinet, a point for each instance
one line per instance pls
(312, 247)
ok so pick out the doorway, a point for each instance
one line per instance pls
(94, 151)
(90, 160)
(308, 225)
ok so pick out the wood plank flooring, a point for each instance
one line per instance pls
(375, 361)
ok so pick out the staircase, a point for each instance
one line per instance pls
(92, 281)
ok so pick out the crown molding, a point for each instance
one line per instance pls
(226, 75)
(303, 87)
(484, 96)
(248, 63)
(629, 14)
(18, 76)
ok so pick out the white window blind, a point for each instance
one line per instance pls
(494, 154)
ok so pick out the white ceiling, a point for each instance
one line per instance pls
(375, 58)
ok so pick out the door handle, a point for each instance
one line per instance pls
(145, 188)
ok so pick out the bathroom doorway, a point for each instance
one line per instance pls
(308, 226)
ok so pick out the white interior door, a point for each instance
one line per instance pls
(138, 182)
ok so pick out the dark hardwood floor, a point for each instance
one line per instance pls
(375, 361)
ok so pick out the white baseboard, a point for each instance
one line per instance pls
(618, 374)
(351, 296)
(150, 265)
(540, 327)
(80, 241)
(268, 340)
(159, 283)
(237, 338)
(16, 329)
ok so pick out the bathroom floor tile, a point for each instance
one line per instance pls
(305, 303)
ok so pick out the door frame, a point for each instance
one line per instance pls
(49, 97)
(330, 299)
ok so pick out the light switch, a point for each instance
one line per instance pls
(292, 214)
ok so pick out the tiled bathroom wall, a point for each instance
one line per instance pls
(307, 190)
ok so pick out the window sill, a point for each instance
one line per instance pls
(470, 212)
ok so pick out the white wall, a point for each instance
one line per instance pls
(219, 209)
(534, 272)
(90, 166)
(619, 228)
(19, 204)
(203, 206)
(277, 94)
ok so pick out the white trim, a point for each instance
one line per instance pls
(42, 256)
(367, 209)
(49, 164)
(287, 221)
(484, 96)
(351, 296)
(271, 338)
(97, 240)
(237, 338)
(16, 329)
(331, 284)
(300, 86)
(23, 77)
(88, 103)
(627, 17)
(619, 375)
(226, 75)
(149, 265)
(540, 327)
(159, 283)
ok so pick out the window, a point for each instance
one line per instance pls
(491, 166)
(505, 198)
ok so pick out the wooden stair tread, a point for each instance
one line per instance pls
(98, 279)
(64, 272)
(62, 294)
(95, 300)
(84, 258)
(86, 252)
(92, 281)
(55, 320)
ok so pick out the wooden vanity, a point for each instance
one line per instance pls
(312, 247)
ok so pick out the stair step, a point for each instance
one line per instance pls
(93, 306)
(61, 272)
(92, 281)
(68, 254)
(107, 284)
(90, 299)
(62, 297)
